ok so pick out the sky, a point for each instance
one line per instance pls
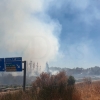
(64, 33)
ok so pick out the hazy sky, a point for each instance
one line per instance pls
(80, 35)
(63, 32)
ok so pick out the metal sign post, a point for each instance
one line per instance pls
(24, 77)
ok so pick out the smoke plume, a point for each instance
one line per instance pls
(27, 30)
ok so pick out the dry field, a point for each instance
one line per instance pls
(85, 91)
(89, 91)
(56, 88)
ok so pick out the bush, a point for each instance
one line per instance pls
(50, 86)
(54, 87)
(71, 80)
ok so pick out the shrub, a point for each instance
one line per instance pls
(50, 86)
(71, 80)
(54, 87)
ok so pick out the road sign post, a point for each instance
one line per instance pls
(24, 76)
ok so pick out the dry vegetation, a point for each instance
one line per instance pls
(47, 87)
(89, 91)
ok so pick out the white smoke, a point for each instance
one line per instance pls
(26, 30)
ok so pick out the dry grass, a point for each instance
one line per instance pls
(89, 91)
(19, 95)
(56, 88)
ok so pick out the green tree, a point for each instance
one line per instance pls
(71, 80)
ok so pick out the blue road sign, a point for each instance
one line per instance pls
(2, 65)
(13, 64)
